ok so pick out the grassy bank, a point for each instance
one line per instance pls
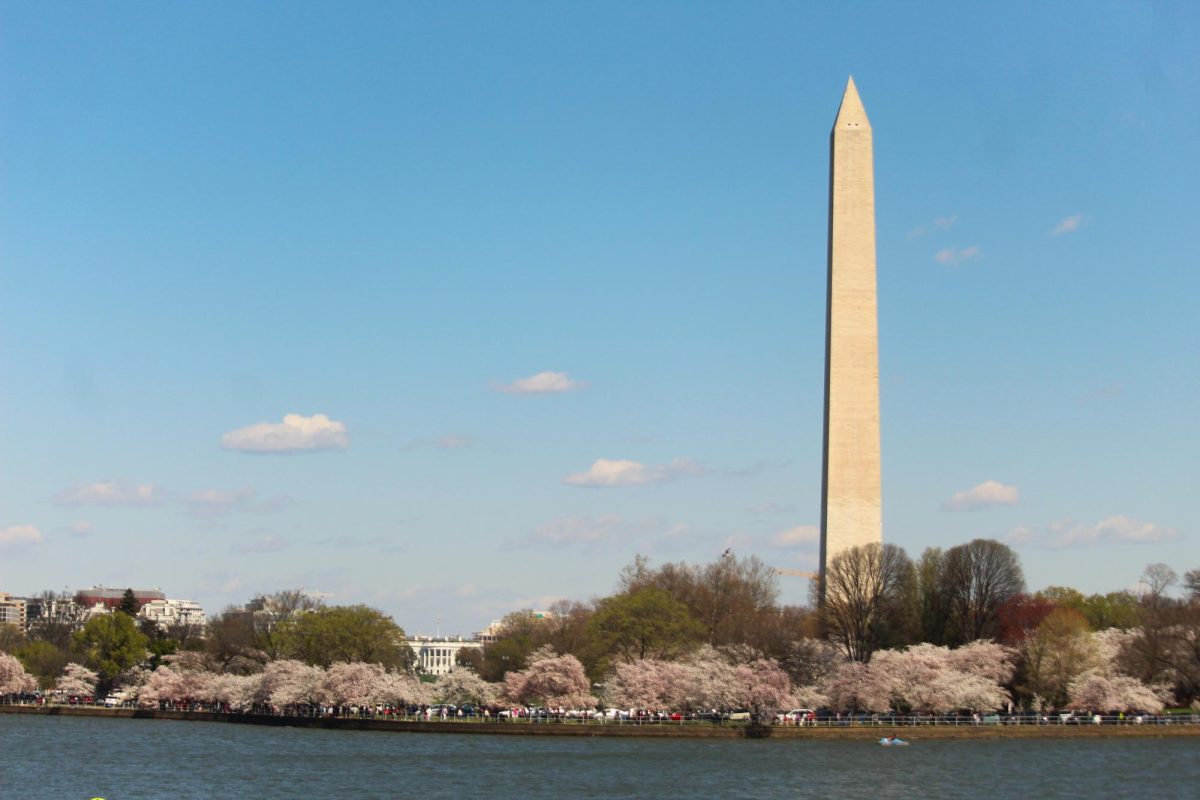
(689, 731)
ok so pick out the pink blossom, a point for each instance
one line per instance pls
(77, 680)
(13, 677)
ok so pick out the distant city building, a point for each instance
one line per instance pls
(51, 608)
(493, 631)
(14, 610)
(438, 655)
(111, 598)
(167, 614)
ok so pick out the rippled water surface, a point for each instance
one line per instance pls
(64, 758)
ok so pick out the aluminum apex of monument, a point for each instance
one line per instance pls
(851, 501)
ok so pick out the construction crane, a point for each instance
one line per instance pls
(799, 573)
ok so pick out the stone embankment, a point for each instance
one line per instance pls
(676, 730)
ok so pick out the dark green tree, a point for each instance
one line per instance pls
(647, 623)
(43, 660)
(328, 635)
(129, 604)
(111, 644)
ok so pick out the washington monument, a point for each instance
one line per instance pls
(851, 508)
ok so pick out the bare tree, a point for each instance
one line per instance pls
(1191, 583)
(865, 592)
(980, 576)
(1157, 579)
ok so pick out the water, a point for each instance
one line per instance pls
(65, 758)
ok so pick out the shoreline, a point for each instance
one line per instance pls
(660, 730)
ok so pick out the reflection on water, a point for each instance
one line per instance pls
(72, 757)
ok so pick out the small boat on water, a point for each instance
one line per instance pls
(892, 741)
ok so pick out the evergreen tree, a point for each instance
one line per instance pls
(129, 603)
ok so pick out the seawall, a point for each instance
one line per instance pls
(673, 730)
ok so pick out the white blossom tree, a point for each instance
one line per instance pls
(711, 681)
(353, 684)
(649, 683)
(288, 682)
(1097, 692)
(77, 681)
(403, 689)
(550, 680)
(462, 686)
(13, 677)
(763, 687)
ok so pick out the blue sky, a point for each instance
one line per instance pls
(455, 308)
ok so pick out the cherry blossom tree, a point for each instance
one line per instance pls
(402, 689)
(1097, 692)
(288, 682)
(550, 680)
(163, 685)
(77, 680)
(353, 684)
(649, 683)
(854, 687)
(13, 677)
(763, 687)
(711, 682)
(236, 691)
(463, 685)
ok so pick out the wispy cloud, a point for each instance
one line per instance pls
(80, 529)
(210, 503)
(451, 441)
(110, 493)
(541, 383)
(606, 472)
(984, 495)
(800, 534)
(19, 536)
(605, 529)
(952, 257)
(1067, 225)
(296, 434)
(264, 543)
(938, 224)
(771, 509)
(1111, 530)
(758, 467)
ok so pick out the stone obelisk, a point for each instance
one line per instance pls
(851, 507)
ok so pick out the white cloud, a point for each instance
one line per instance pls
(267, 543)
(585, 530)
(542, 383)
(938, 224)
(110, 493)
(209, 503)
(985, 495)
(296, 434)
(801, 534)
(575, 529)
(1068, 225)
(17, 536)
(80, 529)
(771, 509)
(953, 257)
(606, 472)
(451, 441)
(1111, 530)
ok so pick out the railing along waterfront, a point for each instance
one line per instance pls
(517, 717)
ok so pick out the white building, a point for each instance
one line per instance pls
(436, 655)
(13, 610)
(169, 613)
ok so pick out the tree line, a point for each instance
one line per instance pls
(885, 619)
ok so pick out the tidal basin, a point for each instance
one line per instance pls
(61, 758)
